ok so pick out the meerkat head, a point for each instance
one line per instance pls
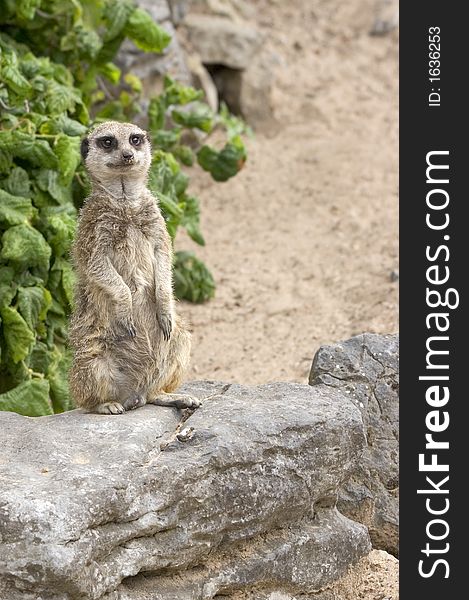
(114, 148)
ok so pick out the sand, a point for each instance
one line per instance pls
(303, 243)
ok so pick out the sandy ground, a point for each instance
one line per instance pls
(303, 242)
(375, 577)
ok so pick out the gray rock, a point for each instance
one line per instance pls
(151, 67)
(366, 369)
(257, 85)
(158, 9)
(386, 17)
(203, 81)
(219, 40)
(249, 92)
(178, 10)
(91, 506)
(231, 9)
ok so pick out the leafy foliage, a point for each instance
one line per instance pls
(192, 278)
(56, 70)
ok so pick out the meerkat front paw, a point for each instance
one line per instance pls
(166, 324)
(110, 408)
(127, 325)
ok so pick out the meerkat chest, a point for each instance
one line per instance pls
(134, 228)
(133, 246)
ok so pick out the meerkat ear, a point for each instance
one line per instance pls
(85, 146)
(147, 137)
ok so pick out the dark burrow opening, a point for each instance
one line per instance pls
(228, 82)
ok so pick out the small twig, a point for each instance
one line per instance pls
(4, 105)
(80, 180)
(43, 14)
(107, 93)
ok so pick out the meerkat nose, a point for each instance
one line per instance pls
(127, 155)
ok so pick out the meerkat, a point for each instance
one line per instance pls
(130, 348)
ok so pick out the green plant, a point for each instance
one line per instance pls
(56, 70)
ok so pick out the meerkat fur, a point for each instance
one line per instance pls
(130, 347)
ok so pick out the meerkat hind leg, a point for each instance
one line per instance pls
(109, 408)
(175, 400)
(134, 401)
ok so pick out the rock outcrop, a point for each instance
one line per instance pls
(168, 505)
(366, 369)
(234, 51)
(151, 67)
(222, 41)
(215, 47)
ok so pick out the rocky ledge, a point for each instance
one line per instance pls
(240, 493)
(366, 369)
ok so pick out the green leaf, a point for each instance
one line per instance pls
(112, 111)
(33, 304)
(40, 358)
(68, 281)
(7, 285)
(61, 98)
(67, 150)
(192, 279)
(234, 126)
(6, 160)
(18, 336)
(162, 172)
(15, 210)
(185, 154)
(27, 279)
(26, 9)
(24, 146)
(169, 206)
(166, 138)
(190, 220)
(59, 229)
(67, 277)
(56, 329)
(111, 72)
(134, 82)
(199, 117)
(109, 50)
(115, 16)
(89, 43)
(26, 247)
(71, 127)
(48, 180)
(181, 181)
(30, 398)
(177, 93)
(11, 76)
(17, 183)
(156, 114)
(58, 380)
(145, 33)
(224, 164)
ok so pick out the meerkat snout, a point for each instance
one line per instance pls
(128, 156)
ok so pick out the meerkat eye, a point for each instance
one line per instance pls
(136, 140)
(107, 142)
